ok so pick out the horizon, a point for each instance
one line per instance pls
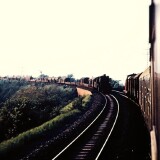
(83, 38)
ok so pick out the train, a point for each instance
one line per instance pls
(144, 87)
(138, 88)
(100, 83)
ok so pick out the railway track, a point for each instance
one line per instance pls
(90, 143)
(130, 138)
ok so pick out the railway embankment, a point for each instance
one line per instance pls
(53, 141)
(83, 92)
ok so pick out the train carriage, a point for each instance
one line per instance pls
(90, 82)
(129, 85)
(136, 87)
(145, 95)
(154, 40)
(95, 83)
(149, 82)
(84, 81)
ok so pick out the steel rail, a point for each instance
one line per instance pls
(83, 130)
(111, 128)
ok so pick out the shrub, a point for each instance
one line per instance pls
(31, 106)
(67, 113)
(34, 134)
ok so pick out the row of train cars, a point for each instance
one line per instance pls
(101, 83)
(144, 87)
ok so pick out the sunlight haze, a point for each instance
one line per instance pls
(83, 38)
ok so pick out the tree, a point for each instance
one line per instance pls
(115, 84)
(70, 76)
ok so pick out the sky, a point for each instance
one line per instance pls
(79, 37)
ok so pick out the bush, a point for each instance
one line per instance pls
(67, 113)
(35, 134)
(31, 106)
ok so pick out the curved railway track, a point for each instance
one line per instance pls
(130, 138)
(91, 142)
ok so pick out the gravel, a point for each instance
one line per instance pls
(52, 144)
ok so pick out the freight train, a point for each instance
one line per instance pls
(144, 87)
(100, 83)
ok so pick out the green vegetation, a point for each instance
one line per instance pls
(80, 103)
(86, 101)
(8, 88)
(29, 112)
(31, 106)
(36, 133)
(67, 112)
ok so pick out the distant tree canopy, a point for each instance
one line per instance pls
(115, 84)
(42, 76)
(8, 88)
(70, 76)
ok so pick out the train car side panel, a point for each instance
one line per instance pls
(145, 95)
(136, 85)
(154, 39)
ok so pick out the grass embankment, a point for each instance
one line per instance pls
(25, 138)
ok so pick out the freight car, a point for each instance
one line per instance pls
(84, 81)
(138, 88)
(145, 86)
(129, 87)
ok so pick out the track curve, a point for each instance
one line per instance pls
(90, 143)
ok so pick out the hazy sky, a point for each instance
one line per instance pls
(82, 37)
